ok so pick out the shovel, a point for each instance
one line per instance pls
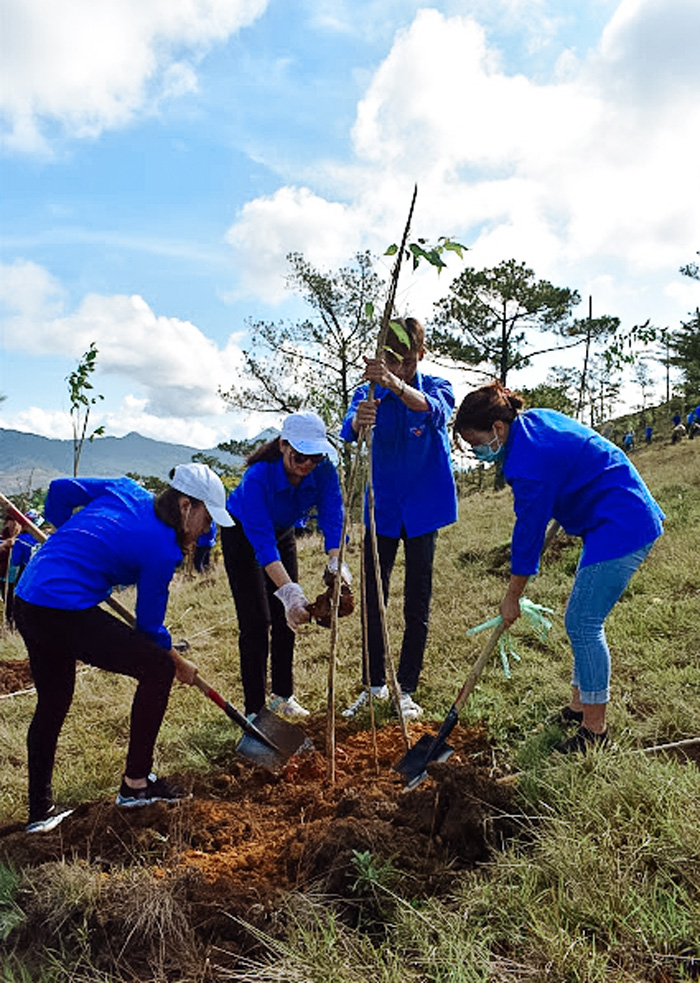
(268, 740)
(414, 764)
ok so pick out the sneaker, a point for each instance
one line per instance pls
(582, 741)
(566, 716)
(157, 790)
(378, 693)
(287, 707)
(48, 822)
(410, 710)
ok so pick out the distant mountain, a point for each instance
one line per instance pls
(27, 459)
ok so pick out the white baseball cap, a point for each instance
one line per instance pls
(306, 432)
(199, 481)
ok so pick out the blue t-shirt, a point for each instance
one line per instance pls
(115, 538)
(561, 469)
(414, 487)
(266, 504)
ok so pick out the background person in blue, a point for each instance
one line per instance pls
(203, 548)
(284, 479)
(120, 535)
(561, 469)
(23, 548)
(414, 493)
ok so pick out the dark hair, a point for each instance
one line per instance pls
(11, 528)
(415, 331)
(482, 407)
(167, 508)
(270, 451)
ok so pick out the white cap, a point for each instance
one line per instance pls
(201, 482)
(306, 433)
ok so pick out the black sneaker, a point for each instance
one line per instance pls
(582, 741)
(157, 790)
(566, 716)
(47, 822)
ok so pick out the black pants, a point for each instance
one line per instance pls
(418, 588)
(55, 639)
(262, 624)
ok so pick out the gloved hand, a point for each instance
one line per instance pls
(292, 596)
(332, 569)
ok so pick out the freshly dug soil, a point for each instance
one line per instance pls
(246, 837)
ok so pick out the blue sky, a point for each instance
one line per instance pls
(161, 158)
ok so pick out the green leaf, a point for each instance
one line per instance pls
(400, 333)
(392, 250)
(369, 310)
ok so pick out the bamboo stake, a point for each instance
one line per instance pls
(365, 660)
(364, 437)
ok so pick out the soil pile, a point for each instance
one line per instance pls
(247, 837)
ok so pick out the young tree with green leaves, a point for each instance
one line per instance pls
(488, 314)
(81, 402)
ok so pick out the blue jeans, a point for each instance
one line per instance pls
(597, 588)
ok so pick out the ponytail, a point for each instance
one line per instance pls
(482, 407)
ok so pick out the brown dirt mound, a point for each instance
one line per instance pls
(15, 675)
(246, 837)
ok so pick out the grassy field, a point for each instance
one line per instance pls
(602, 880)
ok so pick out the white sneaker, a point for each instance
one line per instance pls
(378, 693)
(409, 708)
(287, 707)
(48, 822)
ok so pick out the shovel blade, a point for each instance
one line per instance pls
(414, 764)
(287, 740)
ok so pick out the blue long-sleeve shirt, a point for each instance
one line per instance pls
(266, 504)
(414, 487)
(561, 469)
(115, 538)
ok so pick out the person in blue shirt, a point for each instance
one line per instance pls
(414, 492)
(561, 469)
(202, 551)
(284, 480)
(119, 535)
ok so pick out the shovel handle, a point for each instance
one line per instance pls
(41, 537)
(234, 714)
(478, 667)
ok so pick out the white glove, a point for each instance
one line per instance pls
(292, 596)
(345, 574)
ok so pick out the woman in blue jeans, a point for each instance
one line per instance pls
(561, 469)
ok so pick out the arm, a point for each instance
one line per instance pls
(65, 495)
(376, 371)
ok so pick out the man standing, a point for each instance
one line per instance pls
(414, 494)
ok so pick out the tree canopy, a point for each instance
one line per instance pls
(314, 363)
(486, 317)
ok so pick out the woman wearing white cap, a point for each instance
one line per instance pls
(284, 480)
(120, 535)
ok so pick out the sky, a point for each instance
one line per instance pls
(160, 159)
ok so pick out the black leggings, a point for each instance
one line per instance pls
(261, 620)
(55, 639)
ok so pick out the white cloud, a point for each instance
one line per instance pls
(291, 220)
(90, 66)
(582, 175)
(177, 368)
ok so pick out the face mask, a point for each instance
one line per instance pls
(487, 453)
